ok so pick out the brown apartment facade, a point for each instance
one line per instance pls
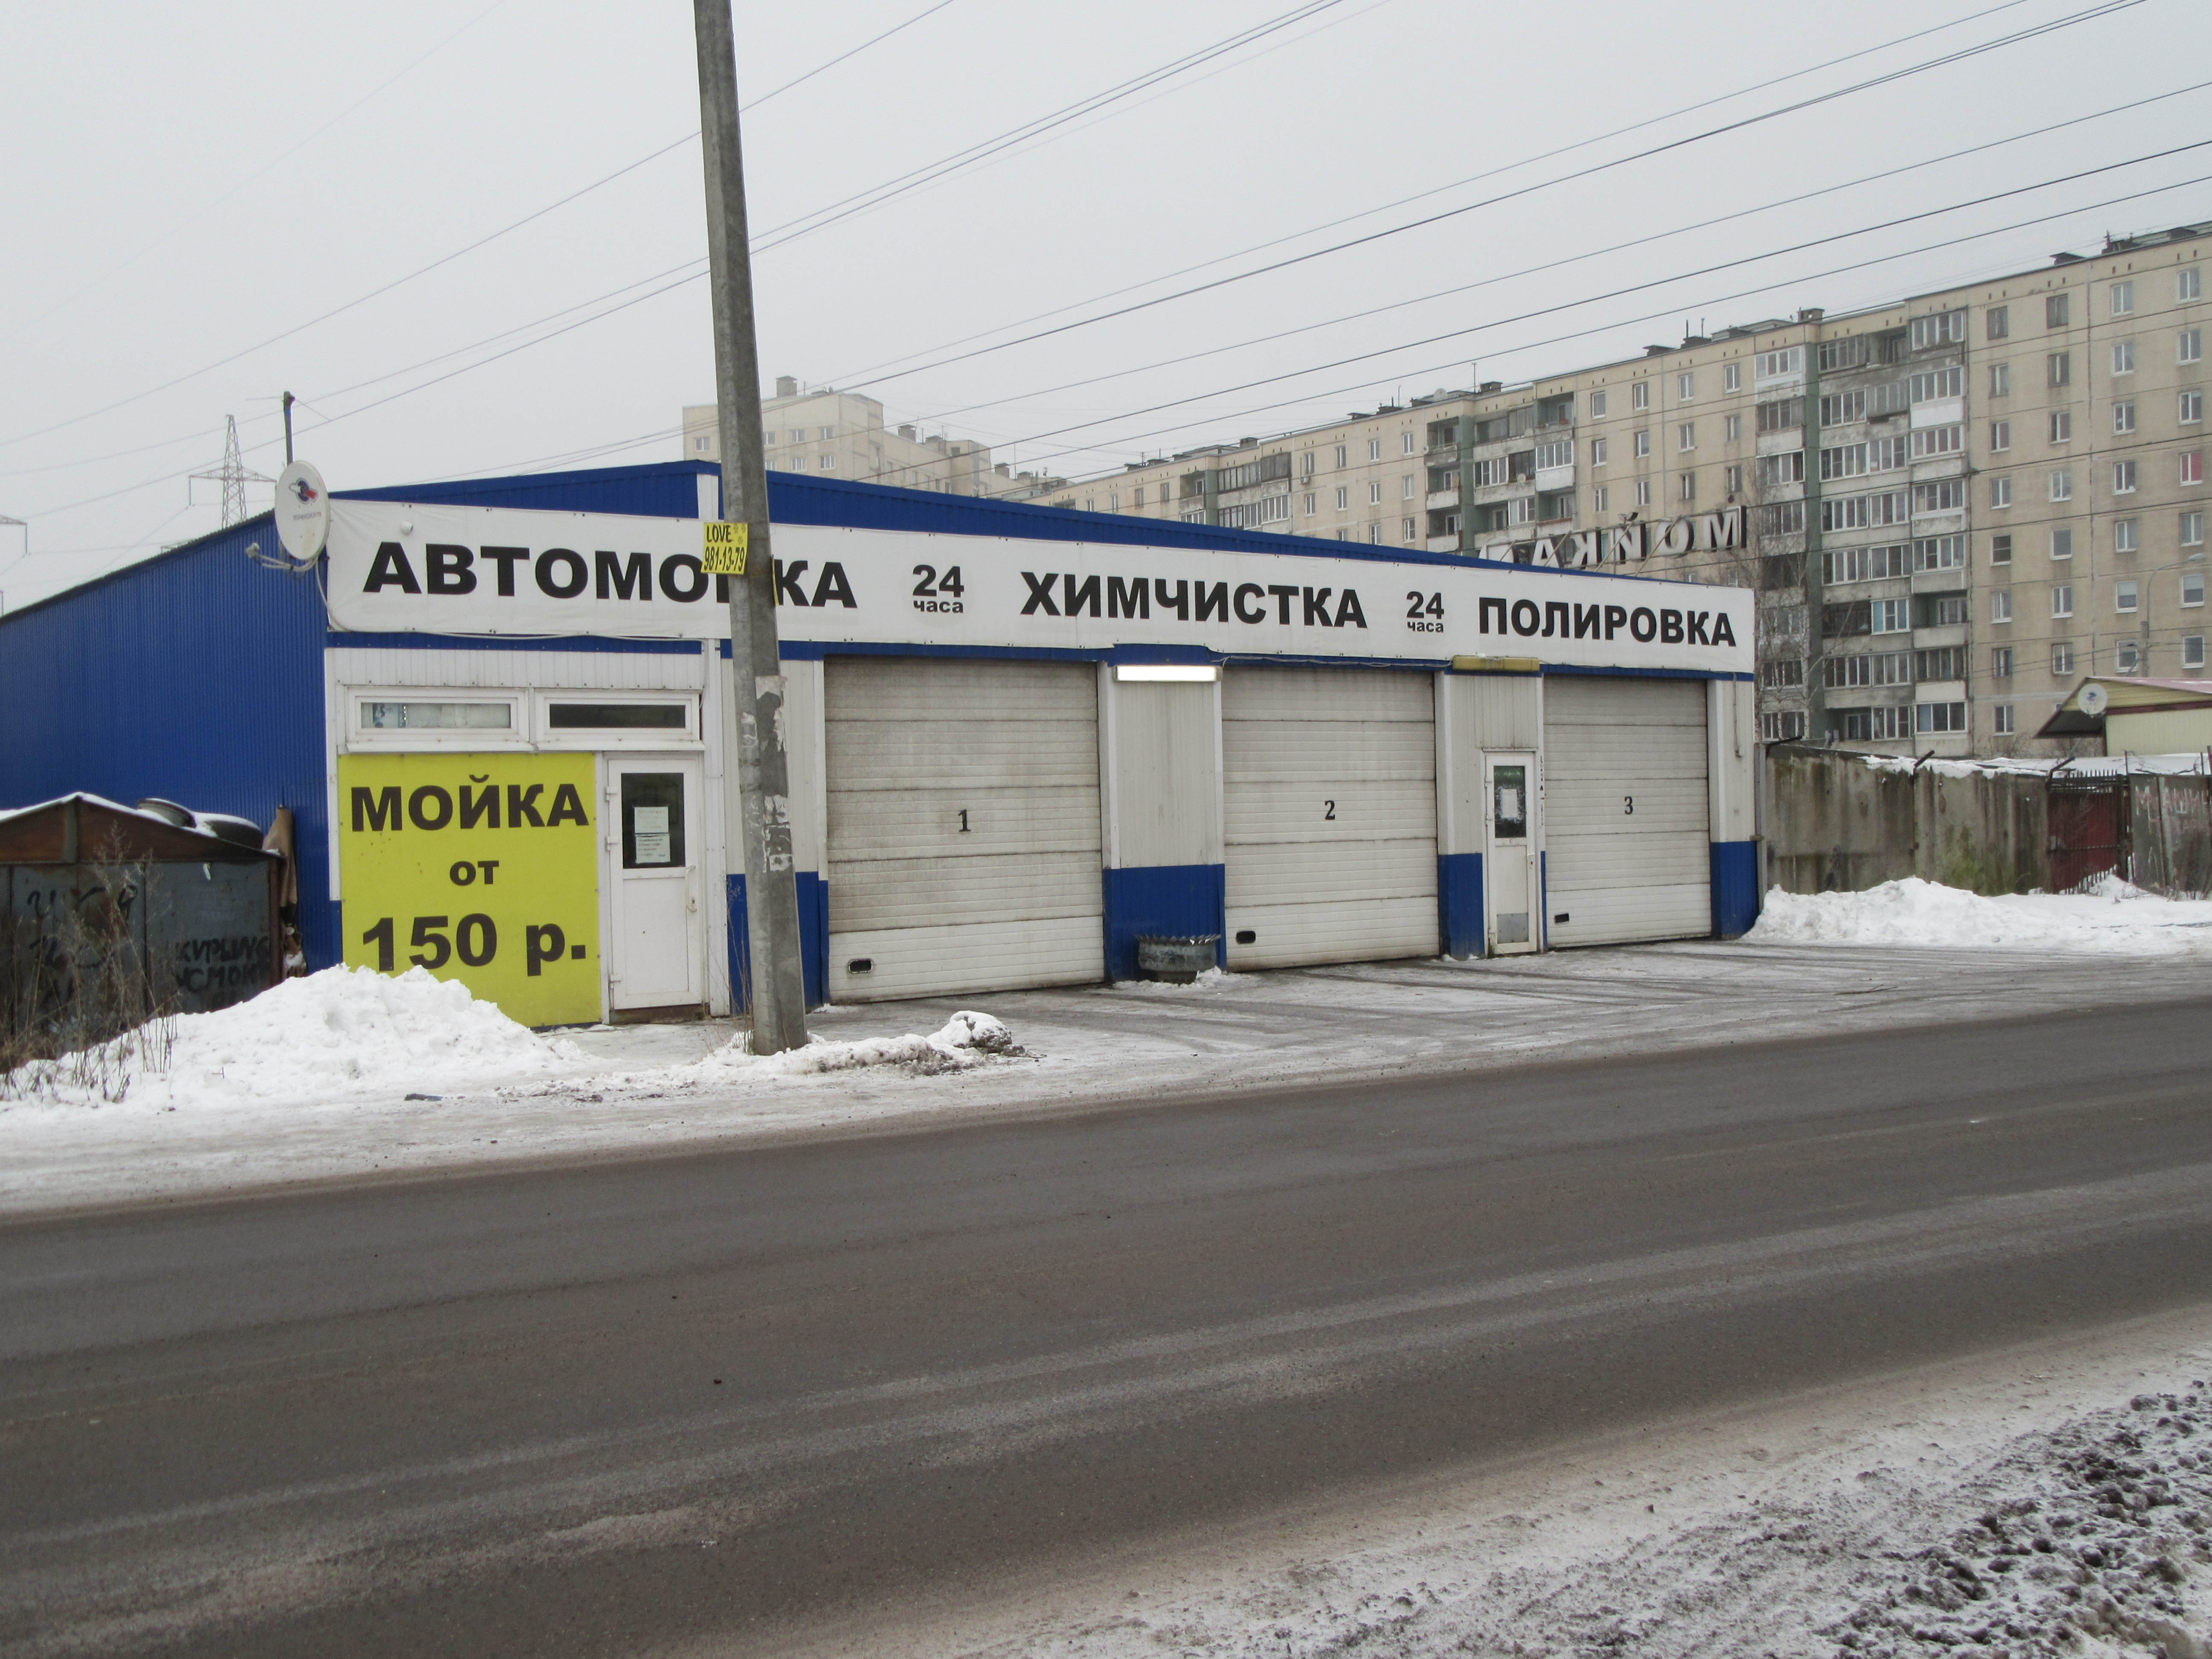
(1954, 506)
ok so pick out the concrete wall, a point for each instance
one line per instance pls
(1835, 823)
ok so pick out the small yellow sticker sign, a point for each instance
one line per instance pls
(482, 868)
(725, 554)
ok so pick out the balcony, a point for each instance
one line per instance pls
(1940, 691)
(1953, 580)
(1930, 639)
(1444, 544)
(1440, 501)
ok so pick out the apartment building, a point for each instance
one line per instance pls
(841, 434)
(1954, 506)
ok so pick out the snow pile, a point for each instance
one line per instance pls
(2115, 917)
(342, 1031)
(1211, 978)
(969, 1038)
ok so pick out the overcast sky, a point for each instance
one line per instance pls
(187, 183)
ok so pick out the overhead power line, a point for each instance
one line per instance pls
(2090, 14)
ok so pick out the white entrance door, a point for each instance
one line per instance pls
(1330, 806)
(1627, 842)
(964, 828)
(1510, 896)
(657, 943)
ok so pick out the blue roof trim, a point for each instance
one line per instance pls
(508, 642)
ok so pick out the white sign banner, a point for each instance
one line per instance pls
(403, 567)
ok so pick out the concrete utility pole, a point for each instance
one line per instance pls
(777, 987)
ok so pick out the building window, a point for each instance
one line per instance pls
(1597, 451)
(1944, 328)
(1405, 488)
(1405, 443)
(829, 463)
(2000, 434)
(2062, 657)
(1342, 456)
(1734, 477)
(1686, 435)
(2189, 346)
(1934, 383)
(2193, 589)
(2059, 368)
(1772, 364)
(2192, 466)
(2123, 298)
(2055, 310)
(2062, 485)
(1686, 387)
(2127, 657)
(2123, 477)
(1732, 377)
(2188, 283)
(2001, 605)
(1782, 727)
(1939, 717)
(1408, 531)
(2124, 598)
(1732, 427)
(1343, 498)
(2123, 418)
(1598, 497)
(1644, 492)
(2001, 492)
(2192, 650)
(1689, 486)
(2062, 544)
(2000, 549)
(2062, 426)
(1597, 405)
(1643, 443)
(1639, 395)
(1374, 492)
(1996, 322)
(2002, 722)
(1310, 504)
(2123, 536)
(1374, 532)
(1374, 449)
(1940, 553)
(1892, 616)
(1949, 496)
(2062, 600)
(2192, 529)
(2190, 408)
(2000, 380)
(2001, 662)
(2123, 356)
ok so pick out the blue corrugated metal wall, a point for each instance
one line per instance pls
(197, 675)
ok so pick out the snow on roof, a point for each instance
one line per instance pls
(2078, 766)
(197, 827)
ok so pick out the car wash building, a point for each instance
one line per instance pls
(1021, 739)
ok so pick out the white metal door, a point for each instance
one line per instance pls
(657, 954)
(1627, 847)
(1329, 811)
(964, 828)
(1509, 893)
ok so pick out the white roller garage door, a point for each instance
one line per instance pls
(1329, 811)
(1627, 852)
(964, 825)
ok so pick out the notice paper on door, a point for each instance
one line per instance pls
(648, 829)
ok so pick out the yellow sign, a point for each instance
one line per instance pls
(726, 549)
(482, 868)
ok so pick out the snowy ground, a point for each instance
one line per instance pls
(2057, 1501)
(307, 1083)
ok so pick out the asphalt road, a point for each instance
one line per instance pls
(714, 1400)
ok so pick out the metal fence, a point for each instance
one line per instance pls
(2169, 834)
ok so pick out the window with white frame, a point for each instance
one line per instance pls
(2062, 657)
(1933, 383)
(612, 719)
(1848, 461)
(1343, 456)
(2001, 662)
(2193, 589)
(1774, 365)
(1407, 532)
(2192, 650)
(2000, 380)
(2189, 284)
(1597, 405)
(2126, 598)
(1940, 553)
(2001, 720)
(1597, 451)
(2061, 543)
(2123, 356)
(2001, 605)
(2000, 550)
(1686, 435)
(2127, 657)
(1599, 498)
(2123, 418)
(1944, 328)
(1930, 441)
(1686, 387)
(1643, 443)
(1374, 449)
(1405, 488)
(2000, 434)
(1689, 486)
(1892, 616)
(2062, 485)
(2192, 529)
(2123, 477)
(2123, 536)
(1311, 504)
(435, 712)
(1734, 480)
(2191, 466)
(2190, 408)
(2058, 368)
(1555, 452)
(1732, 377)
(1644, 492)
(1374, 532)
(2062, 426)
(1732, 427)
(2001, 492)
(1639, 395)
(1996, 322)
(2056, 310)
(2189, 346)
(1343, 497)
(2062, 600)
(2123, 298)
(1939, 717)
(1947, 497)
(1374, 492)
(1405, 443)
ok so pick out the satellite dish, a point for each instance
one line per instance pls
(303, 512)
(2094, 699)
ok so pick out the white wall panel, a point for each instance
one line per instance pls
(1627, 852)
(1165, 803)
(563, 671)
